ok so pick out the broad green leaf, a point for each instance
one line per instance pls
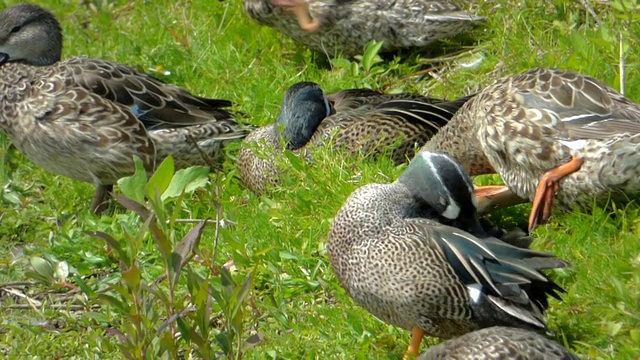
(12, 197)
(131, 276)
(186, 180)
(162, 241)
(190, 333)
(133, 205)
(133, 186)
(161, 179)
(370, 56)
(240, 296)
(42, 268)
(285, 255)
(182, 250)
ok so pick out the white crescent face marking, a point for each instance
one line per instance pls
(453, 209)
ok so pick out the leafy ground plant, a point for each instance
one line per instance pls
(66, 294)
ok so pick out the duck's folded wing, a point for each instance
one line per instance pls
(156, 103)
(580, 107)
(491, 263)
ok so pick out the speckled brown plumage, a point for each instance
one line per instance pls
(397, 262)
(499, 343)
(347, 26)
(355, 120)
(86, 118)
(521, 126)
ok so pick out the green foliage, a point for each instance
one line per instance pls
(151, 284)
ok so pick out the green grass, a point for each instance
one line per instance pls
(296, 304)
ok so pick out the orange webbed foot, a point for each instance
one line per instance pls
(301, 9)
(547, 188)
(495, 197)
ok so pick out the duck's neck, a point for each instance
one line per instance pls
(459, 139)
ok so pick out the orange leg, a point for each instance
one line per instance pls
(547, 188)
(414, 346)
(495, 196)
(301, 9)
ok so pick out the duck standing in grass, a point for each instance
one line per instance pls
(553, 135)
(391, 251)
(356, 120)
(346, 26)
(86, 118)
(499, 343)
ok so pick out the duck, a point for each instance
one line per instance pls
(356, 120)
(346, 26)
(499, 342)
(554, 136)
(87, 118)
(414, 254)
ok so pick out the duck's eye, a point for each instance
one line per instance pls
(16, 29)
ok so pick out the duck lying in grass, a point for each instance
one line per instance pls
(356, 120)
(553, 136)
(395, 257)
(346, 26)
(499, 343)
(86, 118)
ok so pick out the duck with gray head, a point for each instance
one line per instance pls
(499, 343)
(394, 258)
(86, 118)
(355, 120)
(346, 26)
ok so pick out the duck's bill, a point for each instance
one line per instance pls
(4, 57)
(495, 197)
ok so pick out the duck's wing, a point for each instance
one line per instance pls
(580, 107)
(157, 104)
(507, 277)
(366, 99)
(434, 113)
(99, 135)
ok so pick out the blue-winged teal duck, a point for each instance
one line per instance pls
(86, 118)
(359, 120)
(392, 252)
(551, 134)
(346, 26)
(499, 343)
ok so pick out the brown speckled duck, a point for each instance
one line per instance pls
(86, 118)
(356, 120)
(553, 136)
(499, 343)
(346, 26)
(414, 254)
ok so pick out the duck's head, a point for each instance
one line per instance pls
(303, 109)
(29, 34)
(439, 182)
